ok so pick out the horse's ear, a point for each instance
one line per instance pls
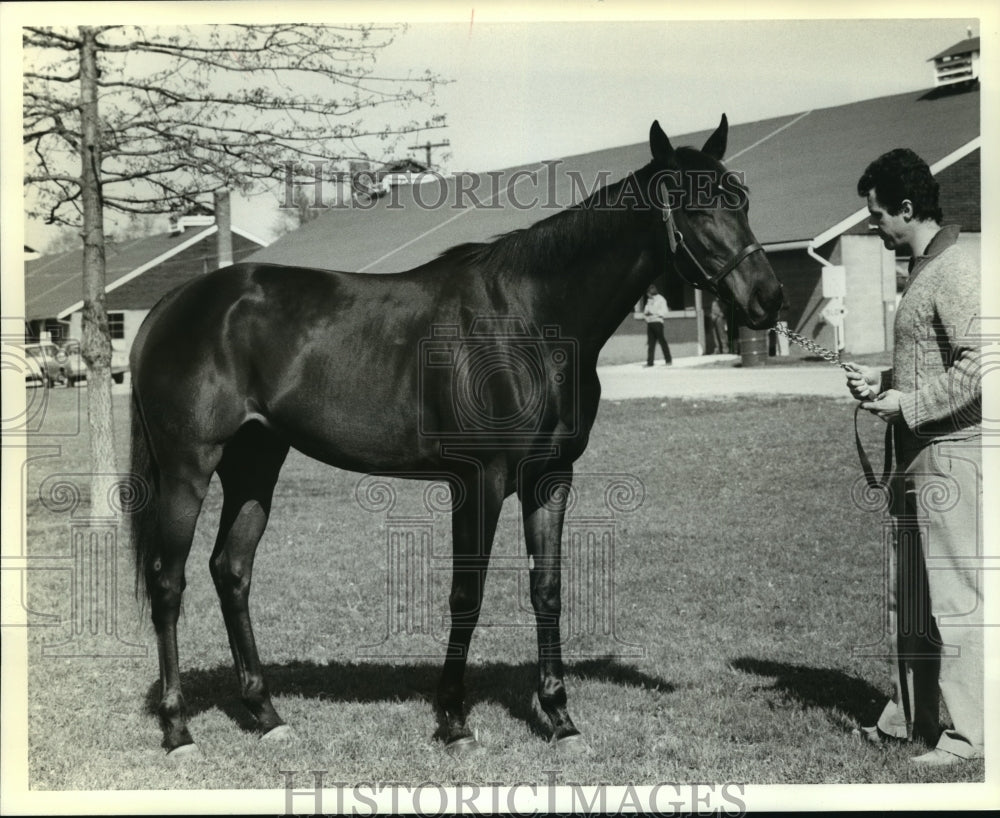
(659, 144)
(715, 145)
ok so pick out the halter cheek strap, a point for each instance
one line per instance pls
(675, 240)
(674, 236)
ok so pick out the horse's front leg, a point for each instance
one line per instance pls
(544, 497)
(476, 509)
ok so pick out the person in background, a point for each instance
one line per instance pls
(932, 398)
(719, 330)
(655, 313)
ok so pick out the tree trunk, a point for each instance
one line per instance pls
(95, 345)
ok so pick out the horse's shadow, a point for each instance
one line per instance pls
(508, 685)
(822, 687)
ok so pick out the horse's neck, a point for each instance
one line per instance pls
(585, 269)
(608, 285)
(622, 295)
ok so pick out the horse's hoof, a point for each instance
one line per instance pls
(280, 733)
(573, 745)
(463, 747)
(184, 752)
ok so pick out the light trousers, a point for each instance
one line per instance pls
(936, 601)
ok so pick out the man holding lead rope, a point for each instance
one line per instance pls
(932, 398)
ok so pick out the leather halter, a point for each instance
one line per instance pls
(675, 238)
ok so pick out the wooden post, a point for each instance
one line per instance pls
(223, 220)
(699, 317)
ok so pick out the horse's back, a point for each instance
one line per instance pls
(202, 310)
(368, 372)
(326, 359)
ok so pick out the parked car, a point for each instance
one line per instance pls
(51, 365)
(45, 365)
(119, 363)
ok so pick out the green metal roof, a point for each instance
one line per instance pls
(138, 271)
(801, 169)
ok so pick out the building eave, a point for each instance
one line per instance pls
(138, 271)
(166, 256)
(860, 215)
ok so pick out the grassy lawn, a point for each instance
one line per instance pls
(710, 630)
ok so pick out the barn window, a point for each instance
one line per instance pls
(116, 325)
(55, 328)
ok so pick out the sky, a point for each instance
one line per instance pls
(528, 84)
(524, 92)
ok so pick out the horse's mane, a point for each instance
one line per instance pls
(541, 246)
(549, 243)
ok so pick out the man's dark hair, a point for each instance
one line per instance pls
(901, 174)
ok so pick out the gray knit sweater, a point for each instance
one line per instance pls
(936, 355)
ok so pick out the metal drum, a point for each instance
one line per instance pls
(753, 346)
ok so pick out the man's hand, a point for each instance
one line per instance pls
(886, 405)
(863, 381)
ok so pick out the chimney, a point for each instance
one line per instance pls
(223, 221)
(179, 222)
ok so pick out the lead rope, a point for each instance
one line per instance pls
(675, 239)
(879, 484)
(834, 358)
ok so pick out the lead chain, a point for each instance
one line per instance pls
(824, 353)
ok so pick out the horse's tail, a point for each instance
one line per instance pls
(145, 535)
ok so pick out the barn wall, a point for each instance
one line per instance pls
(871, 292)
(131, 321)
(800, 278)
(961, 189)
(133, 318)
(680, 329)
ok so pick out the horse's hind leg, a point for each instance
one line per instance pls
(248, 471)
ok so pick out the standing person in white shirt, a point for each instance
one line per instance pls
(655, 313)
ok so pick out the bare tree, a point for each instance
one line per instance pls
(298, 209)
(133, 121)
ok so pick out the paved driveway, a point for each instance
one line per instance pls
(712, 376)
(719, 377)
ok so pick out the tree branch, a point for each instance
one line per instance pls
(47, 38)
(184, 111)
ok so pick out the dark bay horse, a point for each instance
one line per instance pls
(478, 368)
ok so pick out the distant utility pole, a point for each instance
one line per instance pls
(427, 147)
(224, 225)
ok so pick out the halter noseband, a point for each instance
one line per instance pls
(675, 239)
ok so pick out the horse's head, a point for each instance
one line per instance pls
(705, 214)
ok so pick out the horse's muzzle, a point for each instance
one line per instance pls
(762, 310)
